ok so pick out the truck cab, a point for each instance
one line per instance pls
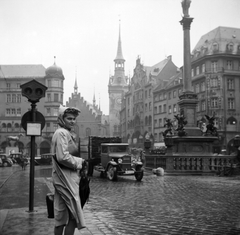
(116, 159)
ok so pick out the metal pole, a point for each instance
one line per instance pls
(32, 163)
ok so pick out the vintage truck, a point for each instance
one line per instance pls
(112, 158)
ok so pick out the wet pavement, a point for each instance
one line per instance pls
(157, 205)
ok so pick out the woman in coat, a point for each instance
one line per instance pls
(66, 164)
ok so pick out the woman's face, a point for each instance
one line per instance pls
(69, 120)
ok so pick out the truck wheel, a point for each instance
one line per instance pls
(112, 173)
(139, 175)
(5, 164)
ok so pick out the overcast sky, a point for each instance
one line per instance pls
(83, 35)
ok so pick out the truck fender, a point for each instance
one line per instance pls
(112, 163)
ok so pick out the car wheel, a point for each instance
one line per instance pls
(139, 174)
(112, 173)
(5, 164)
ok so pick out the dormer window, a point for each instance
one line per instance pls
(230, 47)
(215, 46)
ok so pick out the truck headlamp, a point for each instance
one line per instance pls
(119, 160)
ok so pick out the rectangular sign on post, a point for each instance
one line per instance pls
(34, 129)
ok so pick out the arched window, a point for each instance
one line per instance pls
(150, 120)
(146, 121)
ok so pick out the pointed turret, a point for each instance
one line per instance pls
(94, 100)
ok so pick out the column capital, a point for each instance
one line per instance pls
(186, 22)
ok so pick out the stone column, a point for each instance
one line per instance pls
(188, 99)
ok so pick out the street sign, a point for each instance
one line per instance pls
(27, 117)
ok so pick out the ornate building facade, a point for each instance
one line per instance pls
(137, 106)
(13, 105)
(215, 65)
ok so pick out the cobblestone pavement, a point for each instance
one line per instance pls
(157, 205)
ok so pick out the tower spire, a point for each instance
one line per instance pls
(119, 50)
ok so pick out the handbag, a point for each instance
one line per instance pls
(50, 205)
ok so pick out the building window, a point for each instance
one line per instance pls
(197, 70)
(155, 123)
(230, 46)
(56, 97)
(164, 108)
(155, 110)
(145, 107)
(229, 65)
(150, 92)
(192, 72)
(214, 66)
(214, 82)
(230, 84)
(19, 98)
(164, 96)
(145, 94)
(203, 106)
(174, 94)
(8, 112)
(19, 112)
(203, 87)
(13, 112)
(55, 112)
(203, 68)
(8, 86)
(231, 103)
(8, 98)
(197, 88)
(214, 102)
(160, 122)
(161, 96)
(13, 98)
(48, 112)
(179, 91)
(49, 97)
(170, 109)
(160, 108)
(169, 95)
(150, 106)
(174, 108)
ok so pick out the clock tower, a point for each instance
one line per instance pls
(118, 84)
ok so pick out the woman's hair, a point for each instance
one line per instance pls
(73, 111)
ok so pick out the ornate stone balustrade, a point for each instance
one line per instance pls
(188, 164)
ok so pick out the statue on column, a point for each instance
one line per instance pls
(185, 7)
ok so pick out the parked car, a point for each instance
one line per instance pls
(44, 159)
(6, 161)
(15, 156)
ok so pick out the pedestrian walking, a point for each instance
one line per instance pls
(68, 213)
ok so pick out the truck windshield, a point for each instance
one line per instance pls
(118, 149)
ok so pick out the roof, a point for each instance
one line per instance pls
(222, 35)
(22, 71)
